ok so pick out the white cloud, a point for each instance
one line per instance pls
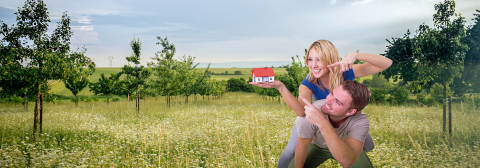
(357, 2)
(84, 35)
(81, 19)
(333, 2)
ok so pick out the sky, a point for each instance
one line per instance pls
(223, 31)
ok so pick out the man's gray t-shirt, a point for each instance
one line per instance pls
(356, 127)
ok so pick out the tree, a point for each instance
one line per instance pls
(469, 82)
(297, 71)
(166, 69)
(189, 76)
(236, 85)
(29, 45)
(434, 54)
(204, 88)
(77, 79)
(106, 85)
(126, 87)
(138, 74)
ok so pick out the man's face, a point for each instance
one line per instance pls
(337, 103)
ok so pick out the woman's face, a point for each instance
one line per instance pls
(314, 64)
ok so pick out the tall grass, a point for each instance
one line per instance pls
(237, 130)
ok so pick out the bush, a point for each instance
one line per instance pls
(14, 99)
(436, 91)
(378, 95)
(96, 99)
(115, 99)
(81, 98)
(237, 72)
(72, 99)
(423, 98)
(366, 82)
(89, 99)
(399, 95)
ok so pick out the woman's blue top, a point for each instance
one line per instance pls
(319, 93)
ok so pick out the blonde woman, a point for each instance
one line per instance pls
(326, 73)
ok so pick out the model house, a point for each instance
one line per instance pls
(263, 74)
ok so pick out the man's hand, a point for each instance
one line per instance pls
(312, 114)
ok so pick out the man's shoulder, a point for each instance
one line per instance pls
(359, 117)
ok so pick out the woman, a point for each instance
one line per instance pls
(326, 73)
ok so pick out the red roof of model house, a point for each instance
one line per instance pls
(263, 72)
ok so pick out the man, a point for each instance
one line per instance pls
(337, 126)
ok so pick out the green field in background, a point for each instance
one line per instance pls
(58, 87)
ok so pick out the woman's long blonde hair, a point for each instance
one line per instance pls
(328, 54)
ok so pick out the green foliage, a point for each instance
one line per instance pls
(106, 85)
(469, 82)
(433, 54)
(14, 99)
(436, 91)
(115, 99)
(135, 76)
(378, 95)
(398, 95)
(297, 71)
(28, 50)
(77, 77)
(237, 72)
(379, 81)
(167, 70)
(88, 99)
(423, 98)
(236, 85)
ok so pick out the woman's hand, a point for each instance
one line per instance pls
(346, 63)
(275, 84)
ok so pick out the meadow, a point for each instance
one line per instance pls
(236, 130)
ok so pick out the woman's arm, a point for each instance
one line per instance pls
(296, 105)
(375, 64)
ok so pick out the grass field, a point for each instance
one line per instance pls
(237, 130)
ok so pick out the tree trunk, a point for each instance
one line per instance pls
(444, 107)
(450, 116)
(76, 101)
(107, 99)
(25, 101)
(137, 101)
(168, 100)
(36, 118)
(41, 113)
(128, 97)
(186, 99)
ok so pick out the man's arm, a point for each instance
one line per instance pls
(345, 152)
(301, 151)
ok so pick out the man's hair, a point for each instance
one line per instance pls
(359, 92)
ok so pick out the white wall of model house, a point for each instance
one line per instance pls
(263, 78)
